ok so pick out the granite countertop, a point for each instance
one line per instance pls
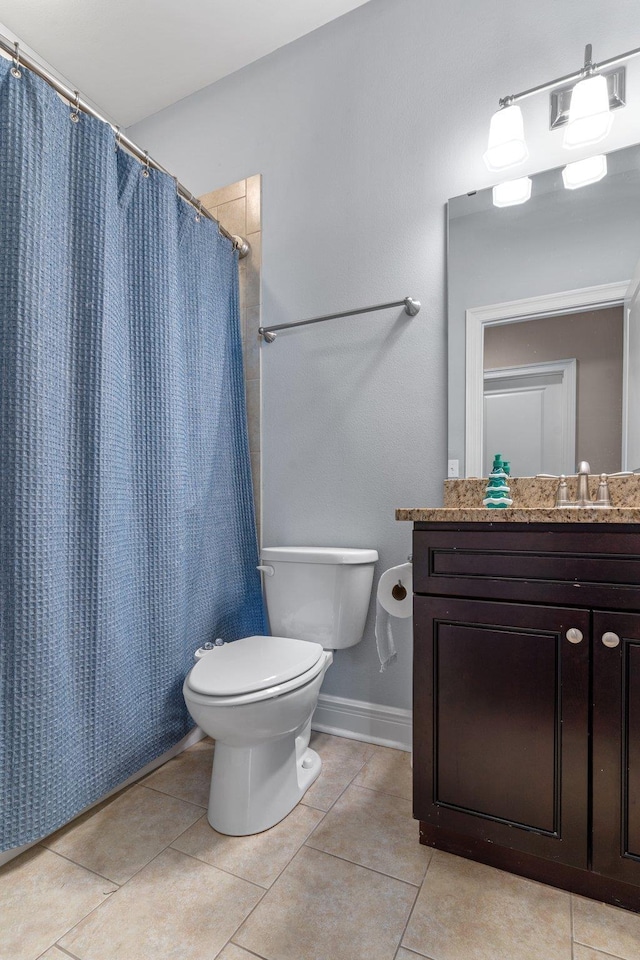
(533, 502)
(520, 515)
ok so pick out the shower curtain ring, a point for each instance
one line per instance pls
(75, 113)
(199, 212)
(145, 169)
(118, 135)
(15, 69)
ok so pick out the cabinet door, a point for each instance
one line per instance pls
(501, 704)
(616, 746)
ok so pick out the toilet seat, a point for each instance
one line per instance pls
(255, 668)
(265, 694)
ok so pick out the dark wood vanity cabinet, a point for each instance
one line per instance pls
(526, 725)
(615, 848)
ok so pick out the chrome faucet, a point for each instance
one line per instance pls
(582, 496)
(562, 493)
(603, 496)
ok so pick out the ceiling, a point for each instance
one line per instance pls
(131, 58)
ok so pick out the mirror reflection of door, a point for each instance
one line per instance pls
(530, 411)
(595, 338)
(630, 419)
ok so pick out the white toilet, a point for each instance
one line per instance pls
(256, 696)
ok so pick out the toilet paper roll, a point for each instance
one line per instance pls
(395, 590)
(394, 599)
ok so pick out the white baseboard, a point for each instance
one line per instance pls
(358, 720)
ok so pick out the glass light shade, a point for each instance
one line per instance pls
(512, 192)
(507, 145)
(583, 172)
(590, 118)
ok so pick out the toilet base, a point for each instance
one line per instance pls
(253, 788)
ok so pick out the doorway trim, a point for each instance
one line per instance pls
(517, 311)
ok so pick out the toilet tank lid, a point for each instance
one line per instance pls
(318, 555)
(252, 663)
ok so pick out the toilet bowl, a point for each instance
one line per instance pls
(256, 695)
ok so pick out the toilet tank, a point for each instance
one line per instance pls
(318, 593)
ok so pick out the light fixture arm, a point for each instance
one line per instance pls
(589, 66)
(587, 70)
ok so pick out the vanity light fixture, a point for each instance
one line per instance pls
(582, 100)
(590, 117)
(507, 146)
(512, 192)
(583, 172)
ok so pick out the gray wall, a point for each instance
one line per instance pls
(362, 130)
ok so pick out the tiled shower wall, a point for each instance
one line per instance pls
(238, 208)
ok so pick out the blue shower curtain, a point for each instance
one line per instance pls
(127, 533)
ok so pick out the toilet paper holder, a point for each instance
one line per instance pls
(399, 592)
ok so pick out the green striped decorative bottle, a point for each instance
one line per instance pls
(497, 491)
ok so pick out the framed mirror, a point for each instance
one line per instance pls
(544, 325)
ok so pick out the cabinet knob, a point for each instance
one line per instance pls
(610, 639)
(574, 635)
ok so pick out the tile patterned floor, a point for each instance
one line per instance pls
(144, 876)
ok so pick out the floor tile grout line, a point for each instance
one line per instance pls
(122, 883)
(311, 806)
(182, 833)
(571, 926)
(380, 873)
(236, 875)
(356, 863)
(230, 942)
(82, 919)
(575, 942)
(345, 753)
(346, 786)
(197, 859)
(173, 796)
(215, 866)
(301, 845)
(253, 909)
(396, 796)
(88, 815)
(421, 956)
(106, 896)
(67, 953)
(411, 912)
(598, 950)
(95, 873)
(110, 896)
(305, 843)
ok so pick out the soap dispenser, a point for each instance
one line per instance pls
(497, 491)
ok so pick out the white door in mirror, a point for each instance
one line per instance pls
(529, 410)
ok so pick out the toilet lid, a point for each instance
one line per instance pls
(252, 663)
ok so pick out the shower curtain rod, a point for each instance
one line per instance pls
(73, 97)
(411, 308)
